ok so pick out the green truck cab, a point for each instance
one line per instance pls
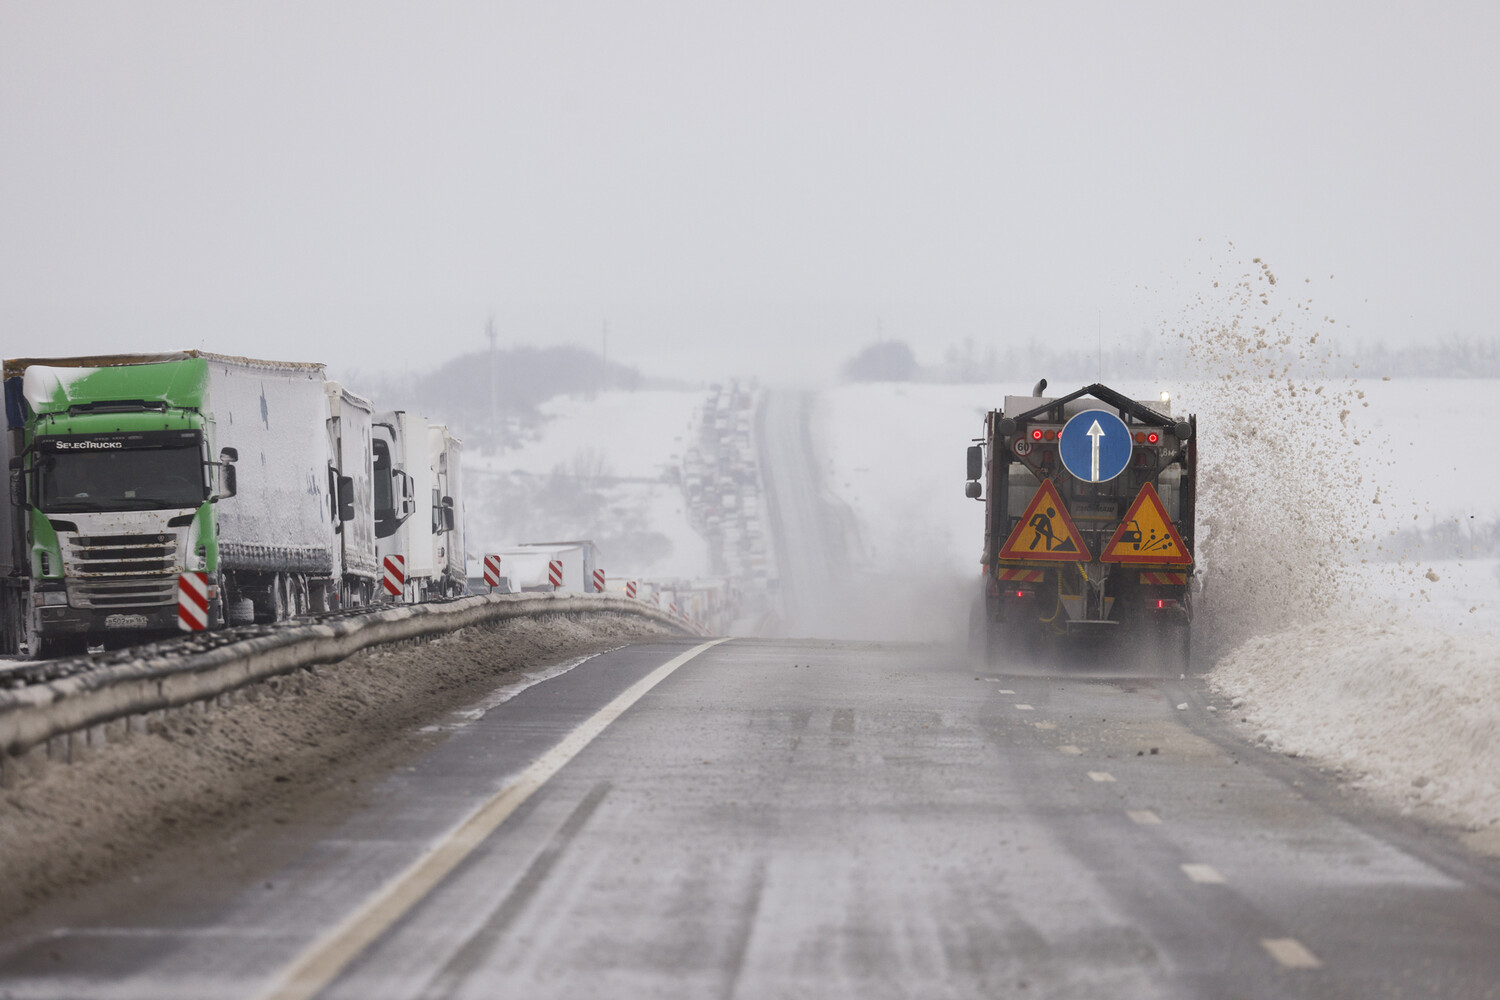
(122, 478)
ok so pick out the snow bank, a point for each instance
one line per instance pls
(1411, 711)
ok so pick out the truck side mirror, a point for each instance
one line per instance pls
(408, 502)
(346, 498)
(976, 462)
(450, 517)
(228, 482)
(971, 490)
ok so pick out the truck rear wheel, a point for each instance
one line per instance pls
(52, 647)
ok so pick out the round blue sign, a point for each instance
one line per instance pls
(1095, 446)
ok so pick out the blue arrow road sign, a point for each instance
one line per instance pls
(1095, 446)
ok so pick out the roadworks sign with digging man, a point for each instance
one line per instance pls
(1045, 531)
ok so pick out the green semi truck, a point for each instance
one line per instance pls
(127, 471)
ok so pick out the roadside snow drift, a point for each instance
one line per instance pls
(1411, 712)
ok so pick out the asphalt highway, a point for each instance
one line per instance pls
(767, 818)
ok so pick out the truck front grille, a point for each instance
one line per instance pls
(136, 592)
(122, 555)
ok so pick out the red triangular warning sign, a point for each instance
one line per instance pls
(1045, 531)
(1146, 535)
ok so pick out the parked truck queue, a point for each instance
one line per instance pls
(285, 492)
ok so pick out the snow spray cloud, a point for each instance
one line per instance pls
(1284, 505)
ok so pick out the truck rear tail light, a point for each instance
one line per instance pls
(1052, 435)
(1140, 437)
(1162, 603)
(1153, 437)
(1036, 435)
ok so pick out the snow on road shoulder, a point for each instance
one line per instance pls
(1411, 712)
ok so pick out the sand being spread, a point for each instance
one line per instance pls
(1326, 646)
(277, 746)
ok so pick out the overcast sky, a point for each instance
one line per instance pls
(734, 188)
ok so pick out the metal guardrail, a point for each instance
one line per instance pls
(85, 698)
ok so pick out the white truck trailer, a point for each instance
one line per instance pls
(527, 566)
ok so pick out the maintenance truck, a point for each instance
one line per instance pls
(1088, 529)
(123, 475)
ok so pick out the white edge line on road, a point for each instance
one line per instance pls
(1143, 816)
(1291, 953)
(1101, 776)
(324, 959)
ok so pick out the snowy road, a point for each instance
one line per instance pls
(811, 532)
(785, 818)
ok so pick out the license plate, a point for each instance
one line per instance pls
(126, 621)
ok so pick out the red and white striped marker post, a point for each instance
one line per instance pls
(192, 601)
(395, 575)
(492, 571)
(598, 581)
(630, 588)
(554, 573)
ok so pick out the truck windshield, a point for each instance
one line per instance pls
(153, 471)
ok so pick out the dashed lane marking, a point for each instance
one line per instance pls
(1145, 817)
(1101, 776)
(1005, 691)
(1291, 953)
(1203, 874)
(1024, 708)
(1045, 725)
(323, 960)
(1070, 748)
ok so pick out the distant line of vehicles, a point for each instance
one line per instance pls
(288, 490)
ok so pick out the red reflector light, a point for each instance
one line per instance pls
(1153, 437)
(1161, 604)
(1020, 593)
(1036, 435)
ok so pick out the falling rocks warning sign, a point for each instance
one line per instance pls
(1045, 531)
(1146, 535)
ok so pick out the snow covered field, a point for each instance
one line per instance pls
(1386, 667)
(598, 468)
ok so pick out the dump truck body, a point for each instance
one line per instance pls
(1089, 523)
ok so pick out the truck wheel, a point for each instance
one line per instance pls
(52, 647)
(996, 642)
(1180, 647)
(977, 625)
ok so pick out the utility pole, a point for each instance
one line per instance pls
(489, 331)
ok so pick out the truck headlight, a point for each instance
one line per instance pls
(51, 598)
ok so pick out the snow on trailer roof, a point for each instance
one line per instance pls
(14, 367)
